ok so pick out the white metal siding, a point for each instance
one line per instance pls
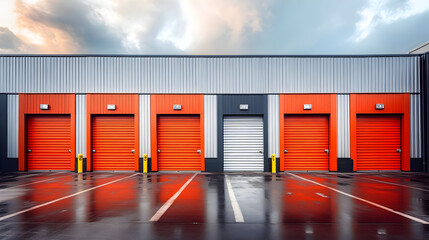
(243, 138)
(273, 126)
(81, 125)
(210, 126)
(144, 125)
(415, 125)
(343, 126)
(209, 75)
(12, 125)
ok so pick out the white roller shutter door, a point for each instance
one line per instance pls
(243, 141)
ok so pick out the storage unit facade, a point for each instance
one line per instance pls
(214, 113)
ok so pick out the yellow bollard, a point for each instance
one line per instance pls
(144, 163)
(80, 163)
(273, 163)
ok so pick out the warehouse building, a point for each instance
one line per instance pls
(214, 113)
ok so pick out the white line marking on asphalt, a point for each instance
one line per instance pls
(60, 199)
(235, 207)
(322, 195)
(3, 189)
(170, 201)
(363, 200)
(396, 184)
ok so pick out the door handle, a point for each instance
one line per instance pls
(133, 151)
(199, 151)
(159, 150)
(326, 151)
(260, 151)
(285, 151)
(69, 150)
(29, 150)
(93, 150)
(398, 150)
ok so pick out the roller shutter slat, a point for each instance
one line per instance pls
(48, 137)
(113, 140)
(305, 138)
(243, 139)
(179, 139)
(377, 138)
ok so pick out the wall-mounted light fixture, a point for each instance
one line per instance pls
(44, 106)
(308, 106)
(111, 107)
(379, 106)
(244, 107)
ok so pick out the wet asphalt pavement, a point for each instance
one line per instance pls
(104, 205)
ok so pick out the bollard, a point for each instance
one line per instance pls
(273, 163)
(80, 163)
(144, 163)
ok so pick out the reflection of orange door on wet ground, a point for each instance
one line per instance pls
(189, 206)
(304, 202)
(113, 200)
(391, 196)
(60, 212)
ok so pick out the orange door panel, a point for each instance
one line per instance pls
(305, 139)
(377, 139)
(178, 142)
(113, 142)
(48, 142)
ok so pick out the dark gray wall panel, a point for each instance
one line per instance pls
(416, 164)
(344, 165)
(212, 165)
(3, 130)
(425, 110)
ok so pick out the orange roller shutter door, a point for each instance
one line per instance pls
(49, 142)
(305, 139)
(113, 143)
(378, 142)
(179, 141)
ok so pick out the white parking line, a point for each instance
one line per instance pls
(396, 184)
(22, 185)
(170, 201)
(60, 199)
(235, 207)
(363, 200)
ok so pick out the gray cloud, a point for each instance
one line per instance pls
(67, 26)
(9, 43)
(209, 27)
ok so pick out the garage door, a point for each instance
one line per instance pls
(48, 142)
(113, 143)
(243, 141)
(378, 142)
(179, 143)
(306, 140)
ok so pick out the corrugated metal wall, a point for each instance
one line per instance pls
(81, 125)
(415, 125)
(144, 125)
(12, 125)
(209, 75)
(343, 126)
(273, 125)
(210, 126)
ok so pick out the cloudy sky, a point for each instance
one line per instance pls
(213, 26)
